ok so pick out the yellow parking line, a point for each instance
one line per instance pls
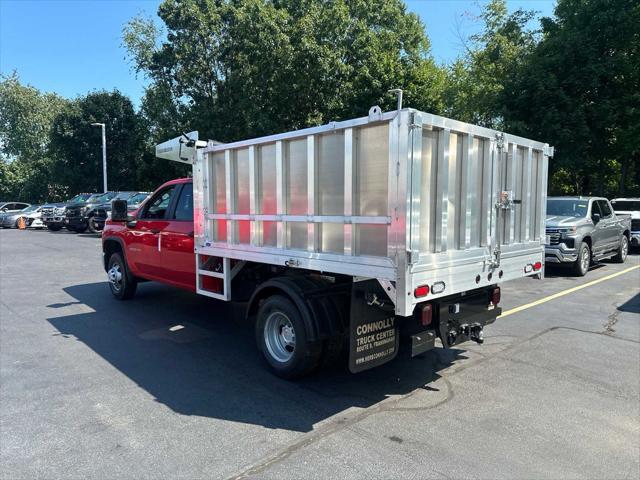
(567, 292)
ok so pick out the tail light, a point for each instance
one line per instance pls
(421, 291)
(537, 266)
(495, 296)
(426, 315)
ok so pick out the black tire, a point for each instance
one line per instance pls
(581, 266)
(81, 229)
(54, 228)
(303, 357)
(93, 228)
(122, 286)
(623, 250)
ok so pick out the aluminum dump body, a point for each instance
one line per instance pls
(405, 197)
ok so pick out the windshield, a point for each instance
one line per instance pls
(93, 197)
(137, 198)
(105, 197)
(567, 207)
(122, 196)
(625, 205)
(32, 208)
(80, 198)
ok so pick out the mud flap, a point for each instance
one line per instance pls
(373, 332)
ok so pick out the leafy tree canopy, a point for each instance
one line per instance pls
(579, 90)
(235, 69)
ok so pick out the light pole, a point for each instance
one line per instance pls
(104, 154)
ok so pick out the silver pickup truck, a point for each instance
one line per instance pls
(582, 230)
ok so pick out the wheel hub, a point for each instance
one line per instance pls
(115, 276)
(279, 336)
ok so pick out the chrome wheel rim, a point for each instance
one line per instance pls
(625, 248)
(279, 337)
(585, 259)
(115, 276)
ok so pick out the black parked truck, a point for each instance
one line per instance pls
(77, 215)
(93, 213)
(54, 214)
(102, 212)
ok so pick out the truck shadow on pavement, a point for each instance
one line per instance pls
(197, 356)
(632, 305)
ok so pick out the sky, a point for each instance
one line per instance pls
(72, 47)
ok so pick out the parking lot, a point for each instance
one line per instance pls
(170, 384)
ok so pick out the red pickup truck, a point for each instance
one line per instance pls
(156, 245)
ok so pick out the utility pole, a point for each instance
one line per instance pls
(104, 154)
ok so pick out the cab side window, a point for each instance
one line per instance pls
(595, 209)
(604, 208)
(184, 206)
(157, 207)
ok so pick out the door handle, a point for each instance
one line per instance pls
(153, 230)
(190, 234)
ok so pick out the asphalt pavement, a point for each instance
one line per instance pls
(170, 385)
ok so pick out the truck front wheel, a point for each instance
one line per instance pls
(282, 338)
(93, 225)
(581, 266)
(121, 283)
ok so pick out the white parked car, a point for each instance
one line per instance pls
(629, 206)
(31, 214)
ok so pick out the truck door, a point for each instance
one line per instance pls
(143, 239)
(609, 224)
(177, 254)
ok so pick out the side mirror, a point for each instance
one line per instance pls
(119, 211)
(595, 217)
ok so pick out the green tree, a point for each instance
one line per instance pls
(76, 145)
(580, 91)
(475, 82)
(234, 69)
(26, 117)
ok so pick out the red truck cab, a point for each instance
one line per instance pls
(155, 244)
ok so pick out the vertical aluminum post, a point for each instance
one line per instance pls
(104, 157)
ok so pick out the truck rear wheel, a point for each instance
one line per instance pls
(623, 250)
(282, 338)
(121, 283)
(581, 265)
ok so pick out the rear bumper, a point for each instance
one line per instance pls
(560, 254)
